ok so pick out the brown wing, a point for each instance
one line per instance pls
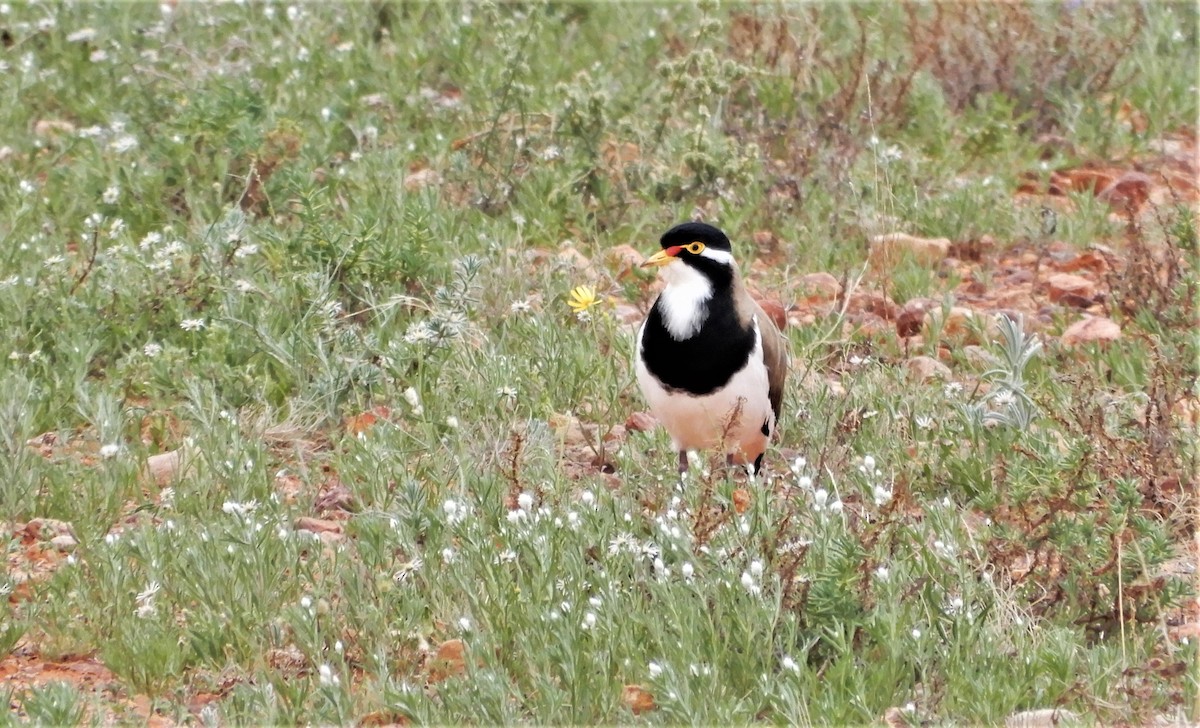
(775, 356)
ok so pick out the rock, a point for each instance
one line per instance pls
(960, 323)
(819, 287)
(421, 179)
(568, 256)
(616, 433)
(1128, 192)
(775, 311)
(1070, 287)
(53, 128)
(911, 318)
(450, 660)
(317, 525)
(45, 529)
(624, 258)
(637, 698)
(1043, 718)
(65, 542)
(640, 422)
(1092, 329)
(1090, 260)
(924, 368)
(873, 302)
(628, 314)
(979, 357)
(887, 250)
(164, 467)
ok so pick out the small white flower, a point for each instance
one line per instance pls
(588, 498)
(756, 568)
(1004, 398)
(192, 324)
(464, 624)
(326, 676)
(54, 261)
(452, 422)
(820, 499)
(655, 670)
(952, 389)
(448, 555)
(111, 195)
(509, 393)
(916, 633)
(882, 495)
(519, 307)
(111, 450)
(123, 143)
(868, 464)
(406, 570)
(924, 422)
(687, 570)
(787, 663)
(525, 501)
(149, 592)
(235, 508)
(414, 401)
(306, 601)
(26, 187)
(883, 573)
(749, 584)
(589, 620)
(83, 35)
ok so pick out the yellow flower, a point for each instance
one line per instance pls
(582, 298)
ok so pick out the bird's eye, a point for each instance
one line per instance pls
(694, 248)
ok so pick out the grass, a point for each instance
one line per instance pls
(324, 253)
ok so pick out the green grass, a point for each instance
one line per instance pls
(218, 241)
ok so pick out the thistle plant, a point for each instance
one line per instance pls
(1007, 403)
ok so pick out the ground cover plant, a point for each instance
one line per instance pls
(316, 402)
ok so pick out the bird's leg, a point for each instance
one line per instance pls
(683, 463)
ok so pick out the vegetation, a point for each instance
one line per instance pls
(305, 416)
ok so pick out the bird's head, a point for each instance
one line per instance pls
(698, 246)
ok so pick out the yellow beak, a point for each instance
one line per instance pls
(662, 257)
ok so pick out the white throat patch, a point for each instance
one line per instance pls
(684, 300)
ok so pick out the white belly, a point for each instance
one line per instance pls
(732, 417)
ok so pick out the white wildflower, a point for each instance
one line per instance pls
(414, 401)
(111, 195)
(83, 35)
(326, 676)
(192, 324)
(123, 143)
(236, 508)
(111, 450)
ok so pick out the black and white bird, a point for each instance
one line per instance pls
(710, 362)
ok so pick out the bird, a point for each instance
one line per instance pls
(710, 363)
